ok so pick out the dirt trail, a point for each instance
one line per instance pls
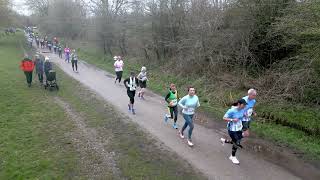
(87, 139)
(208, 155)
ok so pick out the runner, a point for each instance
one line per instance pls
(249, 111)
(74, 60)
(189, 103)
(60, 51)
(27, 67)
(234, 117)
(49, 44)
(30, 40)
(37, 41)
(67, 54)
(142, 77)
(172, 100)
(39, 68)
(118, 67)
(42, 43)
(131, 84)
(55, 48)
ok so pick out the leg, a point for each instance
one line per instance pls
(117, 76)
(175, 111)
(186, 123)
(171, 112)
(72, 63)
(76, 64)
(191, 126)
(120, 76)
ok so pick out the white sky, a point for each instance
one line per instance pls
(19, 6)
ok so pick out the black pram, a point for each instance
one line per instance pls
(51, 81)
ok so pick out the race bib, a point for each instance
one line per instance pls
(190, 110)
(239, 126)
(249, 112)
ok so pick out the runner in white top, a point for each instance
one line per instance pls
(118, 67)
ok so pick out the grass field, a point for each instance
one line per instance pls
(38, 138)
(292, 124)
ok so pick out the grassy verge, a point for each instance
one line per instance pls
(295, 125)
(33, 140)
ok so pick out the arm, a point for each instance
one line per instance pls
(138, 77)
(182, 103)
(167, 97)
(125, 82)
(228, 115)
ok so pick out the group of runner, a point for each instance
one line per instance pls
(238, 117)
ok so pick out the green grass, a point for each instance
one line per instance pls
(287, 123)
(32, 127)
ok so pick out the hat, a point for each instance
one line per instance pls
(143, 68)
(115, 58)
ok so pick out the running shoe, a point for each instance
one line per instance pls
(181, 135)
(223, 140)
(166, 118)
(175, 126)
(234, 160)
(133, 112)
(190, 142)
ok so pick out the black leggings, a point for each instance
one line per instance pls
(236, 137)
(74, 63)
(131, 95)
(119, 75)
(173, 110)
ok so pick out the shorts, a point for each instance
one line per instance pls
(143, 84)
(245, 125)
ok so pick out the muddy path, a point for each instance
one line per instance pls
(208, 155)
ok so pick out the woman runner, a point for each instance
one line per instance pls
(131, 84)
(172, 100)
(142, 77)
(189, 103)
(74, 60)
(234, 117)
(118, 67)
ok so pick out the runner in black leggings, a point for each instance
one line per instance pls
(131, 84)
(74, 60)
(172, 100)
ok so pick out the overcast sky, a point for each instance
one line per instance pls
(19, 6)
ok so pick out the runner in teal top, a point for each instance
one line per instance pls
(189, 103)
(234, 117)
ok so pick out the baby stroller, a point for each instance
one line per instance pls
(51, 81)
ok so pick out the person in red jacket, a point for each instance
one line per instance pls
(27, 66)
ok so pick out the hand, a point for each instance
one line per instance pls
(235, 120)
(254, 114)
(171, 104)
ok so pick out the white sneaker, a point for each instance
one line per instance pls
(234, 160)
(223, 140)
(190, 143)
(181, 135)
